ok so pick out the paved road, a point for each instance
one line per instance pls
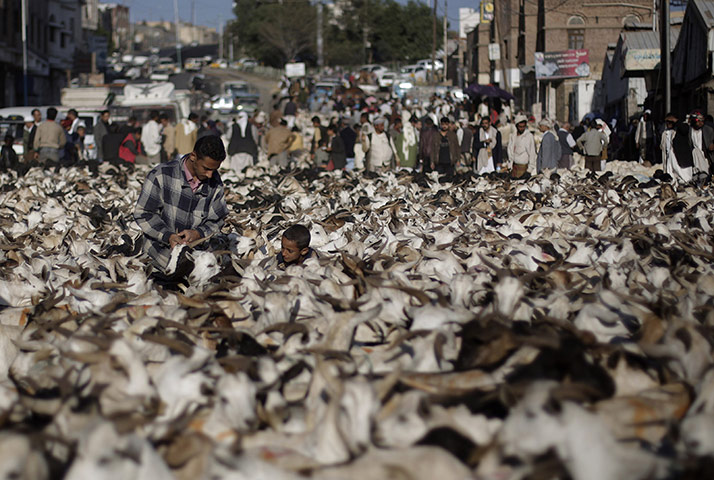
(265, 87)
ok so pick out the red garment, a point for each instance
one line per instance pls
(126, 153)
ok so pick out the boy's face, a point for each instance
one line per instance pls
(290, 250)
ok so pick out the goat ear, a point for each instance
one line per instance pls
(508, 396)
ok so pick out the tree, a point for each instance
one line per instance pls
(273, 32)
(278, 31)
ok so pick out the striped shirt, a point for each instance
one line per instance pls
(168, 205)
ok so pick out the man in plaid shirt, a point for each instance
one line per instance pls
(183, 200)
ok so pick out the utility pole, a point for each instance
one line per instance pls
(220, 37)
(178, 37)
(433, 46)
(540, 47)
(193, 20)
(500, 35)
(24, 52)
(320, 55)
(665, 55)
(446, 39)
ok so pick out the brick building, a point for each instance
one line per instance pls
(521, 28)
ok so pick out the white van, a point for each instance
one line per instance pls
(12, 121)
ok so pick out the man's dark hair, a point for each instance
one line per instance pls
(73, 112)
(593, 123)
(35, 110)
(154, 115)
(51, 113)
(315, 119)
(193, 116)
(444, 120)
(164, 116)
(298, 234)
(103, 112)
(210, 146)
(428, 122)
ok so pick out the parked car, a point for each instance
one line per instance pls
(248, 63)
(220, 103)
(235, 87)
(13, 124)
(414, 73)
(427, 64)
(247, 102)
(386, 79)
(193, 64)
(374, 68)
(220, 63)
(325, 88)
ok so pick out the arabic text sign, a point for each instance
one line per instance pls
(565, 64)
(642, 59)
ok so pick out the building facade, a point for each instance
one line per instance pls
(54, 29)
(503, 51)
(693, 60)
(114, 18)
(162, 34)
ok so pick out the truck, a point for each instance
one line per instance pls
(124, 101)
(139, 99)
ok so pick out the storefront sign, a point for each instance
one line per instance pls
(642, 59)
(486, 11)
(566, 64)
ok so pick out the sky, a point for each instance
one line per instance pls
(211, 12)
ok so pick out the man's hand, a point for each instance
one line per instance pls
(184, 238)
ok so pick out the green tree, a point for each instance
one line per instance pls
(277, 31)
(274, 32)
(404, 32)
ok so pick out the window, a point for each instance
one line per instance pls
(576, 33)
(630, 21)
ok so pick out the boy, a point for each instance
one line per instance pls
(295, 247)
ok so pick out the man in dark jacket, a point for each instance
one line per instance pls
(567, 146)
(428, 133)
(100, 130)
(349, 138)
(445, 149)
(319, 140)
(336, 149)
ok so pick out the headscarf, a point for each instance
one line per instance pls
(188, 126)
(604, 126)
(242, 122)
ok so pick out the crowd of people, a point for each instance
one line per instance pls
(183, 200)
(440, 134)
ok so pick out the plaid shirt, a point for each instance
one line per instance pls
(167, 205)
